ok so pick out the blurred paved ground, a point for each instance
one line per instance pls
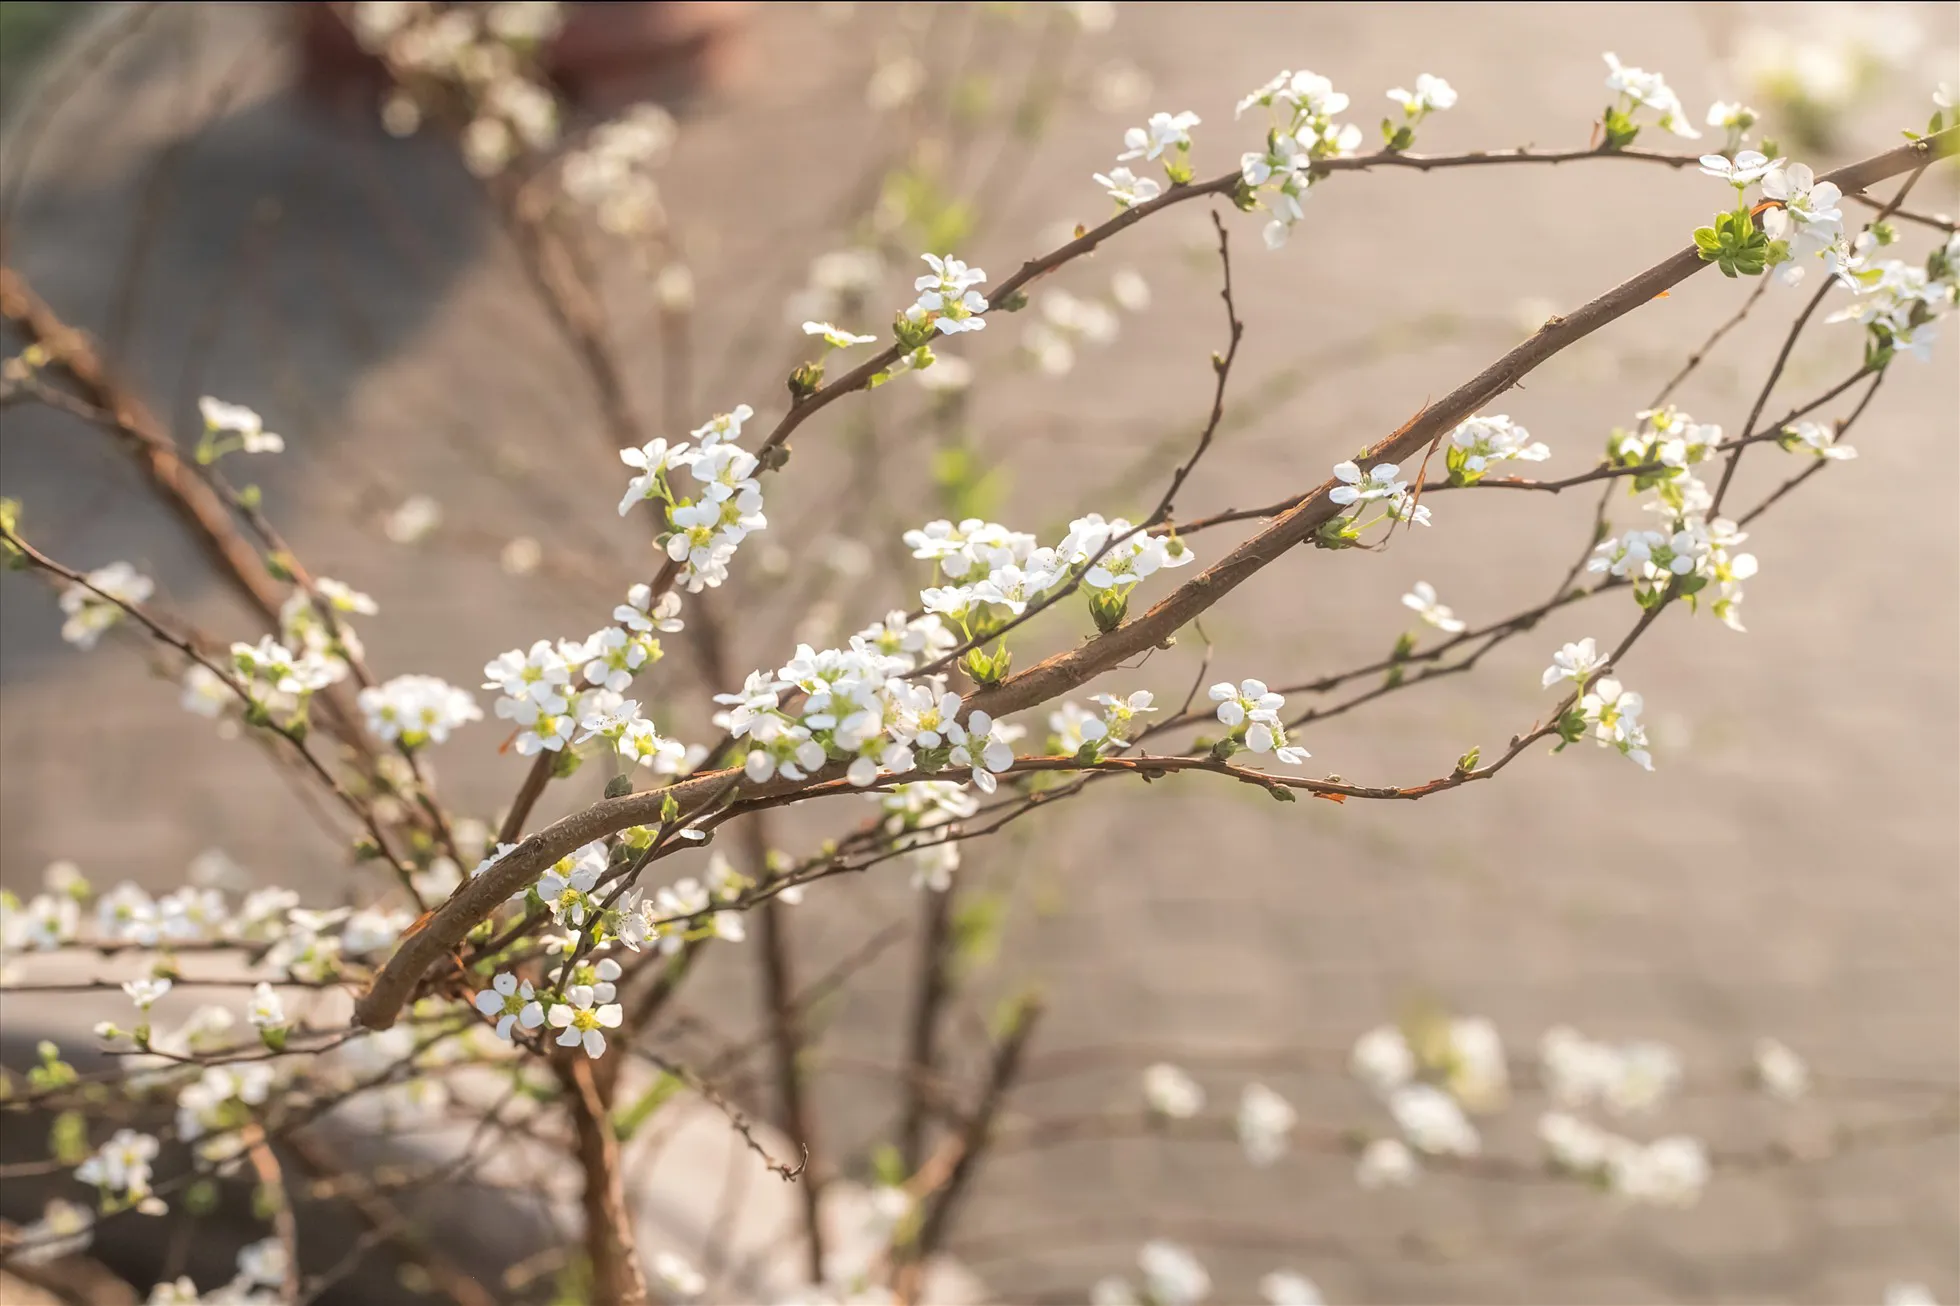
(1790, 868)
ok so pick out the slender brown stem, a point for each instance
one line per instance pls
(929, 995)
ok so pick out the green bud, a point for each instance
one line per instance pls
(619, 786)
(1012, 302)
(1107, 608)
(565, 763)
(804, 381)
(201, 1197)
(280, 564)
(670, 809)
(250, 498)
(1468, 762)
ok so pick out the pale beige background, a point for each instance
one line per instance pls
(1790, 868)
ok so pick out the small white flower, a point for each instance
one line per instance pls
(1573, 662)
(1170, 1092)
(1264, 1122)
(582, 1023)
(835, 336)
(1780, 1071)
(265, 1010)
(89, 613)
(1422, 600)
(1172, 1275)
(1165, 131)
(1382, 1059)
(1666, 1172)
(145, 992)
(1432, 1121)
(678, 1277)
(512, 1003)
(1431, 93)
(240, 421)
(1745, 167)
(1285, 1288)
(1380, 483)
(1128, 189)
(1386, 1163)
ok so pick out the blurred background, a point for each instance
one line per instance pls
(209, 190)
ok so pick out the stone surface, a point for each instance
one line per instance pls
(1789, 869)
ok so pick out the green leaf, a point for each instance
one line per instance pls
(629, 1121)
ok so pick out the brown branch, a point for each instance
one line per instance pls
(478, 898)
(615, 1267)
(929, 995)
(71, 354)
(972, 1145)
(1065, 671)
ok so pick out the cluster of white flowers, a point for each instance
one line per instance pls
(1250, 713)
(1628, 1079)
(120, 1171)
(947, 300)
(688, 910)
(229, 427)
(1076, 731)
(417, 710)
(1897, 303)
(1302, 132)
(1166, 136)
(702, 531)
(280, 680)
(212, 1107)
(1639, 88)
(1428, 1086)
(1477, 442)
(920, 821)
(489, 54)
(260, 1281)
(1606, 710)
(1001, 571)
(612, 172)
(855, 705)
(89, 613)
(1422, 601)
(553, 689)
(1693, 550)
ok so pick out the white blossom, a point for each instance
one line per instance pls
(1164, 131)
(1265, 1120)
(1285, 1288)
(511, 1002)
(1421, 599)
(1432, 1121)
(265, 1011)
(1386, 1163)
(1171, 1092)
(98, 605)
(1781, 1072)
(1574, 662)
(582, 1023)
